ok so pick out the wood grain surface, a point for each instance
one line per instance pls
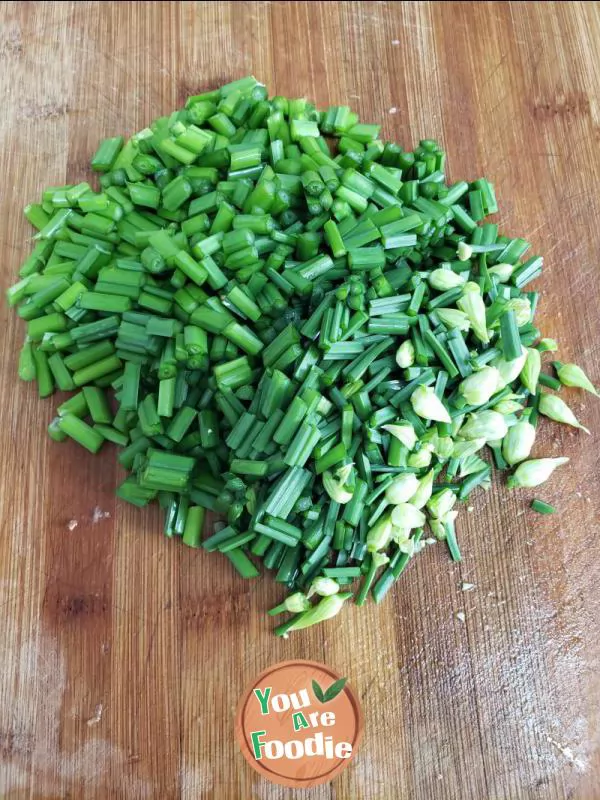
(124, 654)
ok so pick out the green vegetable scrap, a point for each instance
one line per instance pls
(279, 317)
(541, 507)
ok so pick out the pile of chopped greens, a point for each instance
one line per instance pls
(279, 317)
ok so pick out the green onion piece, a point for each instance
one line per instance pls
(81, 432)
(542, 508)
(242, 564)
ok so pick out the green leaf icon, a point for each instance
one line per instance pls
(318, 692)
(333, 691)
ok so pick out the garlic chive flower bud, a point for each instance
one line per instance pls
(509, 370)
(547, 346)
(518, 442)
(343, 473)
(444, 279)
(427, 404)
(336, 488)
(531, 369)
(480, 386)
(421, 458)
(441, 503)
(464, 251)
(438, 529)
(488, 425)
(327, 608)
(423, 493)
(522, 308)
(502, 271)
(508, 406)
(453, 318)
(470, 465)
(402, 488)
(457, 424)
(405, 515)
(323, 586)
(553, 407)
(442, 446)
(468, 448)
(405, 354)
(380, 534)
(404, 432)
(473, 306)
(294, 603)
(379, 560)
(400, 535)
(572, 375)
(438, 525)
(533, 473)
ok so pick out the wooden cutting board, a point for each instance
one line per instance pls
(123, 653)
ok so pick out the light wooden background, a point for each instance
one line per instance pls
(123, 654)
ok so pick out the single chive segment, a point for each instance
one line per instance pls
(81, 432)
(511, 343)
(542, 508)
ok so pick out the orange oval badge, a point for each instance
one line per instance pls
(299, 724)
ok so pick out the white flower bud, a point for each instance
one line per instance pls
(502, 271)
(572, 375)
(509, 370)
(466, 449)
(441, 503)
(427, 404)
(423, 493)
(405, 354)
(548, 346)
(404, 432)
(480, 386)
(444, 279)
(533, 473)
(342, 474)
(323, 586)
(336, 488)
(379, 559)
(325, 609)
(517, 444)
(522, 308)
(470, 465)
(380, 534)
(405, 515)
(488, 425)
(464, 251)
(531, 369)
(457, 422)
(400, 535)
(553, 407)
(508, 406)
(422, 458)
(402, 488)
(443, 446)
(453, 318)
(297, 602)
(438, 529)
(473, 306)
